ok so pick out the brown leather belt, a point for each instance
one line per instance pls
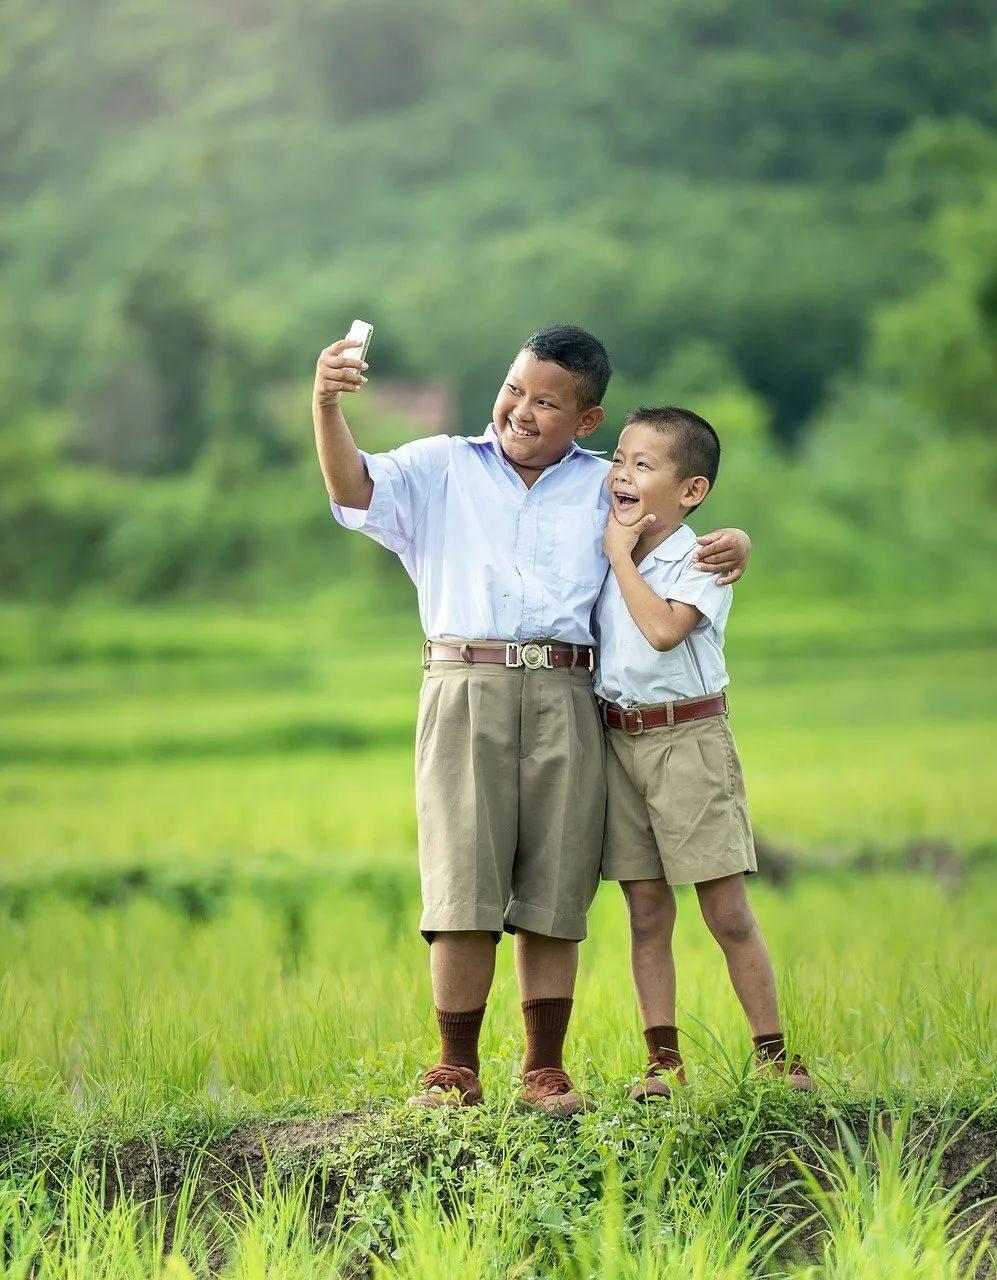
(532, 656)
(635, 720)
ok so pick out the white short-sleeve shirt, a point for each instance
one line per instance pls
(630, 670)
(491, 559)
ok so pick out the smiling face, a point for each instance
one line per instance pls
(644, 480)
(536, 413)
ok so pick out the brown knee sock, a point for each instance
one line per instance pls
(664, 1037)
(771, 1045)
(459, 1037)
(546, 1026)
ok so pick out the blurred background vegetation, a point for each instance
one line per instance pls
(782, 214)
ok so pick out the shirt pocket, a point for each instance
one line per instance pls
(578, 556)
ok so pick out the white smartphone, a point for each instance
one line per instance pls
(360, 331)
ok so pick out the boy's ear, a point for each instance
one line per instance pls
(696, 489)
(591, 420)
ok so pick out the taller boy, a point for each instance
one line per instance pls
(502, 535)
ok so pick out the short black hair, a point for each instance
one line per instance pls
(694, 445)
(578, 351)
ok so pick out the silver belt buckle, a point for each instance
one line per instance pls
(633, 711)
(535, 656)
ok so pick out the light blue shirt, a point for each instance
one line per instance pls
(490, 558)
(631, 671)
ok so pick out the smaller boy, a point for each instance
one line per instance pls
(677, 812)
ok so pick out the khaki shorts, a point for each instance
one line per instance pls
(676, 805)
(510, 785)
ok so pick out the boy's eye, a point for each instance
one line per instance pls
(514, 389)
(643, 464)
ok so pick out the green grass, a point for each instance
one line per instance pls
(165, 734)
(138, 1009)
(208, 899)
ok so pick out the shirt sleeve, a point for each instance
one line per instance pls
(405, 480)
(701, 590)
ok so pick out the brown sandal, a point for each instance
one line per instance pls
(793, 1072)
(445, 1086)
(550, 1089)
(663, 1062)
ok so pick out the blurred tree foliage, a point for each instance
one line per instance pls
(782, 212)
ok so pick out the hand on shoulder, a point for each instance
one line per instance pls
(725, 551)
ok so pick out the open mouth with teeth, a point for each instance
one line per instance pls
(521, 433)
(625, 501)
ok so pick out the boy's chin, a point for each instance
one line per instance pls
(531, 450)
(630, 514)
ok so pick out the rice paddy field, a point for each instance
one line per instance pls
(214, 998)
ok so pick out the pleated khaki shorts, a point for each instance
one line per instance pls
(510, 784)
(676, 804)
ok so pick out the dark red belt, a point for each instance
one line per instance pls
(636, 719)
(532, 656)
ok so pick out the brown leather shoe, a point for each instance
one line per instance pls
(665, 1071)
(793, 1072)
(445, 1086)
(550, 1089)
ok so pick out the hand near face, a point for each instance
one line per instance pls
(620, 539)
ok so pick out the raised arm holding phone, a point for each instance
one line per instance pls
(340, 369)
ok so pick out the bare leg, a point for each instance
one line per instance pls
(651, 904)
(725, 907)
(546, 967)
(462, 966)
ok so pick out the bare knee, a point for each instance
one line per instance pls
(732, 924)
(651, 906)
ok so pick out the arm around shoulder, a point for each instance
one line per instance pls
(725, 551)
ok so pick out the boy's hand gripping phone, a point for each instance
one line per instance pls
(360, 331)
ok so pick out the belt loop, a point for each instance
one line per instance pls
(425, 655)
(726, 703)
(464, 655)
(574, 656)
(670, 713)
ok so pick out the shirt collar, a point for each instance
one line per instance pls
(676, 545)
(490, 437)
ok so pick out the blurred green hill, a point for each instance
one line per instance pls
(785, 215)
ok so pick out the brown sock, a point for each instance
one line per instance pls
(771, 1045)
(459, 1037)
(665, 1037)
(546, 1026)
